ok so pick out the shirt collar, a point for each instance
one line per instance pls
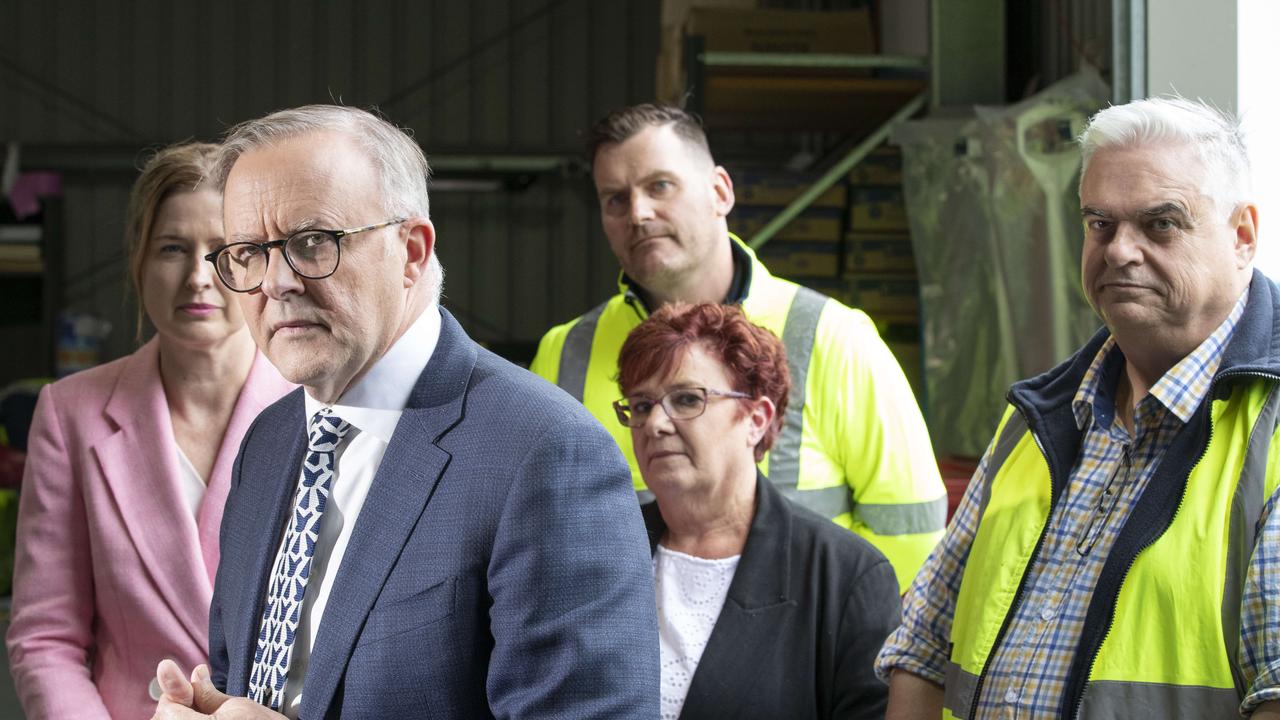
(1180, 390)
(375, 402)
(739, 286)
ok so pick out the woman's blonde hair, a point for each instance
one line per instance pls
(181, 167)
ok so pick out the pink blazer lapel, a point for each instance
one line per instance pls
(140, 464)
(263, 387)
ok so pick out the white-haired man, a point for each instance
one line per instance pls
(1117, 553)
(422, 530)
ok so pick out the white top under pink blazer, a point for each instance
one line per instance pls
(113, 572)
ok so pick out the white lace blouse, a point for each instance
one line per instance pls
(690, 594)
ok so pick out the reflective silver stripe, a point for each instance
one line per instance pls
(644, 496)
(1246, 509)
(827, 502)
(575, 355)
(797, 336)
(1117, 700)
(1009, 438)
(903, 518)
(957, 696)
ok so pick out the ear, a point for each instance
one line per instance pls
(1246, 229)
(722, 187)
(760, 419)
(420, 241)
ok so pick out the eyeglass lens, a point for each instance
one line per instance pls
(679, 404)
(311, 254)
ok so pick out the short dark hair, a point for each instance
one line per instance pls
(623, 123)
(754, 358)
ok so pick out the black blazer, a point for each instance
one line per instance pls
(808, 609)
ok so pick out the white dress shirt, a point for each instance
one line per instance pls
(372, 406)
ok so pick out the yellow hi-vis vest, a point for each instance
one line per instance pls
(853, 447)
(1163, 627)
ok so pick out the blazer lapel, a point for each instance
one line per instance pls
(140, 465)
(267, 500)
(405, 480)
(262, 387)
(743, 631)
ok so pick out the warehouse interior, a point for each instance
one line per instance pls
(915, 159)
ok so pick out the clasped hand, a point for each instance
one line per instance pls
(196, 698)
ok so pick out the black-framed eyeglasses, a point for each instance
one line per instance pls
(684, 403)
(313, 254)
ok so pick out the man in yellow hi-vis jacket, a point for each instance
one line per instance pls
(854, 446)
(1117, 554)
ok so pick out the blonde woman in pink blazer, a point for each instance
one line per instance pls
(128, 469)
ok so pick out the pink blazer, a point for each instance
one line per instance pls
(113, 574)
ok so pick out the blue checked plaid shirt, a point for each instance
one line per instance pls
(1026, 676)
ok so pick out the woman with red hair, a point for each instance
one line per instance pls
(765, 609)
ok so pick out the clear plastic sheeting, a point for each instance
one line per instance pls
(995, 225)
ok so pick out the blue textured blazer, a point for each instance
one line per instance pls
(498, 568)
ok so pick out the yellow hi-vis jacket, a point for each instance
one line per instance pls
(853, 447)
(1162, 630)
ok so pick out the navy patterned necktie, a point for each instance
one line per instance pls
(293, 562)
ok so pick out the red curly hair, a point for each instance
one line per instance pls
(755, 359)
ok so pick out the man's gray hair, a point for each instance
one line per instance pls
(400, 163)
(1214, 135)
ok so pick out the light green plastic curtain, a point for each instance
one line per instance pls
(995, 225)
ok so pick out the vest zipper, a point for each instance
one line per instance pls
(633, 302)
(1022, 583)
(1111, 616)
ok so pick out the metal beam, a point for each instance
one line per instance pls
(1129, 50)
(813, 60)
(128, 159)
(839, 170)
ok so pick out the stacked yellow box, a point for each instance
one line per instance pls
(806, 248)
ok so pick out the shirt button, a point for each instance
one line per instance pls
(1011, 696)
(1047, 612)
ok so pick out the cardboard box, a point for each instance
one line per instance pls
(729, 26)
(670, 76)
(880, 253)
(802, 260)
(761, 187)
(782, 31)
(888, 297)
(820, 224)
(877, 209)
(883, 166)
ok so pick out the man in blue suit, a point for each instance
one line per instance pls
(422, 530)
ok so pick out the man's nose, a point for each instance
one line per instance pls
(641, 209)
(1125, 247)
(280, 279)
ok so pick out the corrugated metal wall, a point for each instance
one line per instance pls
(477, 77)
